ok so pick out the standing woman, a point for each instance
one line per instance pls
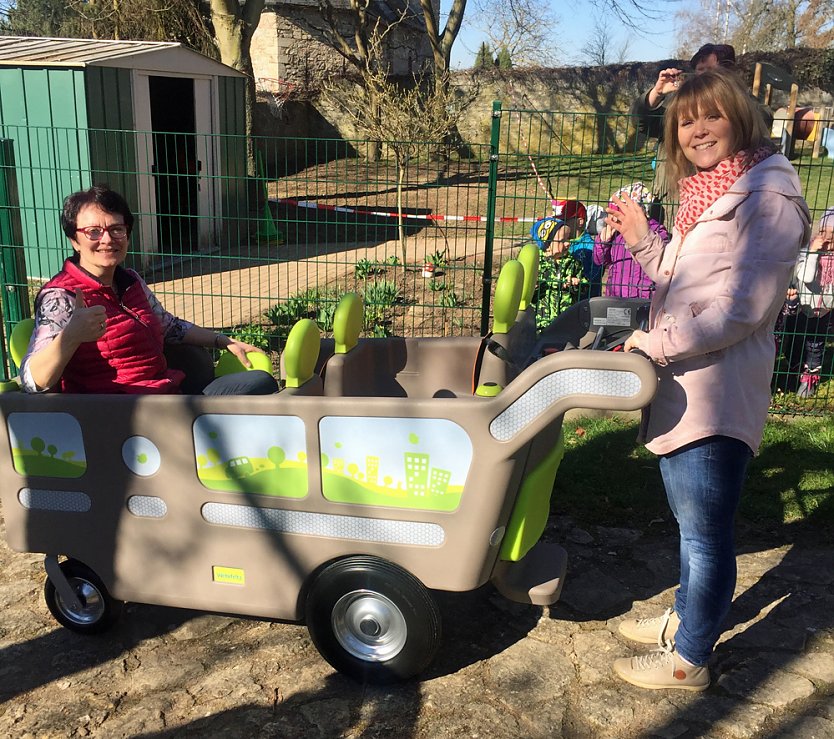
(720, 284)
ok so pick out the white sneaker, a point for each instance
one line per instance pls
(658, 630)
(660, 670)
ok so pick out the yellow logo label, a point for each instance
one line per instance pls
(228, 575)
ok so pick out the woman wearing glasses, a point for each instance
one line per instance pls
(98, 326)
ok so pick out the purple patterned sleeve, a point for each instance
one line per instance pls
(55, 307)
(173, 328)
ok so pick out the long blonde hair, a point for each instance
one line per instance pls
(715, 91)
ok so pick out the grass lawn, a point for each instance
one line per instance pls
(608, 479)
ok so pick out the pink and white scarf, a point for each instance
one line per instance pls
(699, 191)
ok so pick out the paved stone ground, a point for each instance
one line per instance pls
(503, 670)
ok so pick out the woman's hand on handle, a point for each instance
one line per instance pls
(638, 340)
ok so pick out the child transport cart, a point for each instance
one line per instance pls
(386, 469)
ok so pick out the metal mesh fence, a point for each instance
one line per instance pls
(251, 254)
(546, 157)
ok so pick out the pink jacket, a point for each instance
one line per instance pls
(718, 293)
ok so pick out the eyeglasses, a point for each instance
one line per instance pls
(94, 233)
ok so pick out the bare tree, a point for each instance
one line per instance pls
(367, 34)
(525, 28)
(763, 25)
(599, 50)
(409, 117)
(141, 20)
(442, 41)
(635, 13)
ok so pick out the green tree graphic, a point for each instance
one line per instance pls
(53, 450)
(67, 456)
(213, 455)
(37, 444)
(276, 455)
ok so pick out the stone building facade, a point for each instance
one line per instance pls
(289, 43)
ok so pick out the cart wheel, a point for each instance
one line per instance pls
(98, 612)
(372, 620)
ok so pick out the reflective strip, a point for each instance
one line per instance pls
(147, 506)
(67, 501)
(326, 525)
(606, 383)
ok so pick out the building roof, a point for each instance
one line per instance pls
(76, 52)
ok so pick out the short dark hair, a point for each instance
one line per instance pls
(100, 195)
(724, 53)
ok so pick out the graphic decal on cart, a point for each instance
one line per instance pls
(403, 462)
(47, 444)
(141, 456)
(265, 455)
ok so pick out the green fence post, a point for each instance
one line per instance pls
(15, 300)
(489, 234)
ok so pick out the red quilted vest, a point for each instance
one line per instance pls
(128, 358)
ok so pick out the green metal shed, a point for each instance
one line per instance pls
(159, 122)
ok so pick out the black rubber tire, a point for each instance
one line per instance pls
(372, 620)
(100, 610)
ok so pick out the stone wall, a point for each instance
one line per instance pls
(289, 44)
(592, 92)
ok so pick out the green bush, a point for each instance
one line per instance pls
(253, 333)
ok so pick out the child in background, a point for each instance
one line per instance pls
(565, 247)
(626, 278)
(575, 216)
(807, 312)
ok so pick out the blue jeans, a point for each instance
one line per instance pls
(250, 382)
(703, 485)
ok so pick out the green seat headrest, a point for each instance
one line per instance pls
(507, 296)
(529, 258)
(347, 322)
(301, 352)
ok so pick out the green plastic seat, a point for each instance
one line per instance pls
(18, 343)
(19, 339)
(301, 352)
(347, 322)
(228, 363)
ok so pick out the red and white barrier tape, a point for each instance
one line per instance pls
(393, 214)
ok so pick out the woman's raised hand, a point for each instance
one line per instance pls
(627, 217)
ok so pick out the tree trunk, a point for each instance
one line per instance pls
(234, 24)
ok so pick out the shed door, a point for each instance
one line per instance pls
(178, 197)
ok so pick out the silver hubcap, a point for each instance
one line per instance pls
(369, 626)
(92, 602)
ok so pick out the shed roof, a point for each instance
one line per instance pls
(156, 56)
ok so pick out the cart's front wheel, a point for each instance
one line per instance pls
(97, 610)
(372, 620)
